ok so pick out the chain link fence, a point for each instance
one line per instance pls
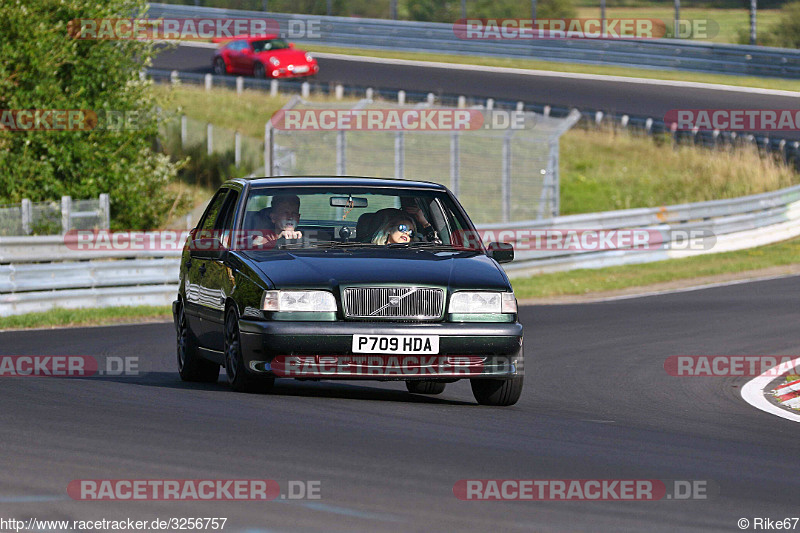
(499, 172)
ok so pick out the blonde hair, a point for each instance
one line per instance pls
(386, 229)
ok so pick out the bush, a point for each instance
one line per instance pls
(786, 32)
(44, 68)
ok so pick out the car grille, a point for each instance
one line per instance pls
(405, 303)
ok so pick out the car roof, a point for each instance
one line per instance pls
(352, 181)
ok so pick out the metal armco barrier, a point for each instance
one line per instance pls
(440, 37)
(29, 284)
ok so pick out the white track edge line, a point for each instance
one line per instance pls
(753, 393)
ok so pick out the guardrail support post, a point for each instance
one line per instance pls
(490, 104)
(520, 106)
(273, 88)
(455, 164)
(401, 97)
(184, 132)
(399, 155)
(27, 218)
(208, 81)
(239, 85)
(210, 138)
(305, 89)
(173, 77)
(237, 148)
(546, 110)
(105, 211)
(339, 91)
(624, 121)
(370, 92)
(66, 214)
(431, 98)
(462, 102)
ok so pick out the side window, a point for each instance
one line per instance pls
(212, 211)
(225, 219)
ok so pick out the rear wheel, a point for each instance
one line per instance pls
(191, 366)
(219, 67)
(425, 387)
(259, 71)
(498, 392)
(238, 377)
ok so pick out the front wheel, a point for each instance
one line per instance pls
(191, 366)
(219, 67)
(238, 377)
(425, 387)
(497, 392)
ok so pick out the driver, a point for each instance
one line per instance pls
(284, 214)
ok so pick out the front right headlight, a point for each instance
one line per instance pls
(286, 301)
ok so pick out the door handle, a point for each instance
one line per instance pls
(202, 269)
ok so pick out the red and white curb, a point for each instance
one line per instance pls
(788, 394)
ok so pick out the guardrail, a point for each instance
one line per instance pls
(674, 54)
(138, 278)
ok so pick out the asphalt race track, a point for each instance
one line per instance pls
(636, 99)
(598, 404)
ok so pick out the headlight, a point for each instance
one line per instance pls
(275, 62)
(319, 301)
(309, 58)
(482, 302)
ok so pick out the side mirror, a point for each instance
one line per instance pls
(207, 248)
(247, 51)
(502, 252)
(291, 45)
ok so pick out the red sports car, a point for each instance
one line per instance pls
(267, 56)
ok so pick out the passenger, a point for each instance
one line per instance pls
(396, 229)
(284, 215)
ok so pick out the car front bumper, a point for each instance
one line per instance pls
(323, 350)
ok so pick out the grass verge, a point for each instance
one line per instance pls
(577, 68)
(85, 317)
(585, 281)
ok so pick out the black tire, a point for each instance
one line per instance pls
(219, 67)
(425, 387)
(191, 366)
(259, 71)
(239, 378)
(497, 392)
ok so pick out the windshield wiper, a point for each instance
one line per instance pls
(327, 244)
(431, 246)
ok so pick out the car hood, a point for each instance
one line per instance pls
(334, 268)
(288, 56)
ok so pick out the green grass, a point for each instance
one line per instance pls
(84, 317)
(739, 81)
(730, 21)
(576, 282)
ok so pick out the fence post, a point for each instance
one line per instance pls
(505, 185)
(455, 164)
(184, 132)
(210, 138)
(237, 148)
(269, 153)
(239, 84)
(66, 214)
(208, 78)
(341, 153)
(273, 88)
(105, 211)
(27, 216)
(399, 155)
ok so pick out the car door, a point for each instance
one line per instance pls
(218, 279)
(199, 301)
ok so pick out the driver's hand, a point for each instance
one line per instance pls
(416, 212)
(291, 234)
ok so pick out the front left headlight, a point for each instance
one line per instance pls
(283, 301)
(274, 61)
(467, 302)
(309, 58)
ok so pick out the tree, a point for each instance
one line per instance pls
(44, 68)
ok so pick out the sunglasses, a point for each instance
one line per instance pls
(404, 228)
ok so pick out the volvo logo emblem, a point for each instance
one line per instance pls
(394, 301)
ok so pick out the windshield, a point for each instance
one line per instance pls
(355, 217)
(269, 44)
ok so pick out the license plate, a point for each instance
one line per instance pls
(399, 344)
(301, 69)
